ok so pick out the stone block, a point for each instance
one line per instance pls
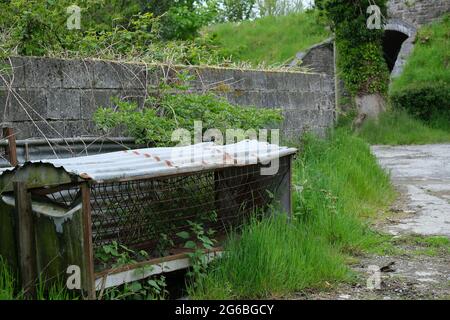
(63, 104)
(43, 72)
(114, 75)
(77, 74)
(24, 105)
(12, 73)
(91, 100)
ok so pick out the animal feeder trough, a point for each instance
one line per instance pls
(57, 215)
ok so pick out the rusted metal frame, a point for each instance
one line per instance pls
(25, 238)
(11, 149)
(89, 277)
(289, 182)
(211, 202)
(221, 179)
(104, 238)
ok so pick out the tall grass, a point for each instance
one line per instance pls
(270, 258)
(339, 187)
(399, 128)
(269, 40)
(9, 289)
(7, 282)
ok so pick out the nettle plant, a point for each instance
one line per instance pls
(199, 240)
(116, 255)
(176, 108)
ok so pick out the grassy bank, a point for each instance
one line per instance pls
(399, 128)
(339, 188)
(269, 40)
(429, 61)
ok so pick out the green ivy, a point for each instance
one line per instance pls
(360, 54)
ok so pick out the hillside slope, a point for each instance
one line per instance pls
(430, 59)
(269, 40)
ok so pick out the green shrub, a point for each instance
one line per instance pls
(164, 113)
(424, 101)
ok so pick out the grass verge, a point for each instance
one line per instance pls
(339, 188)
(399, 128)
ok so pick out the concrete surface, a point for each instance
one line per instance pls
(422, 173)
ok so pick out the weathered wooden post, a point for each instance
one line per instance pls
(11, 150)
(87, 241)
(25, 238)
(284, 193)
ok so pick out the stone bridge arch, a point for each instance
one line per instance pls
(398, 43)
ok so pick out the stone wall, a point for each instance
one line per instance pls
(417, 12)
(56, 98)
(318, 58)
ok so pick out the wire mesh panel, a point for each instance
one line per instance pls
(142, 214)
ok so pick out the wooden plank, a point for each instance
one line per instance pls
(284, 193)
(88, 268)
(12, 148)
(131, 273)
(26, 240)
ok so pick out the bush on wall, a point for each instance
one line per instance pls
(360, 54)
(427, 102)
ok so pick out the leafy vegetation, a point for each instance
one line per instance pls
(339, 187)
(271, 40)
(121, 30)
(430, 103)
(360, 55)
(167, 112)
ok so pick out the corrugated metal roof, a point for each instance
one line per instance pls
(153, 162)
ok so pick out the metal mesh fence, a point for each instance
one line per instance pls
(147, 214)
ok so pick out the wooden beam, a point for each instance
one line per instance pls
(12, 148)
(284, 192)
(26, 239)
(88, 268)
(142, 270)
